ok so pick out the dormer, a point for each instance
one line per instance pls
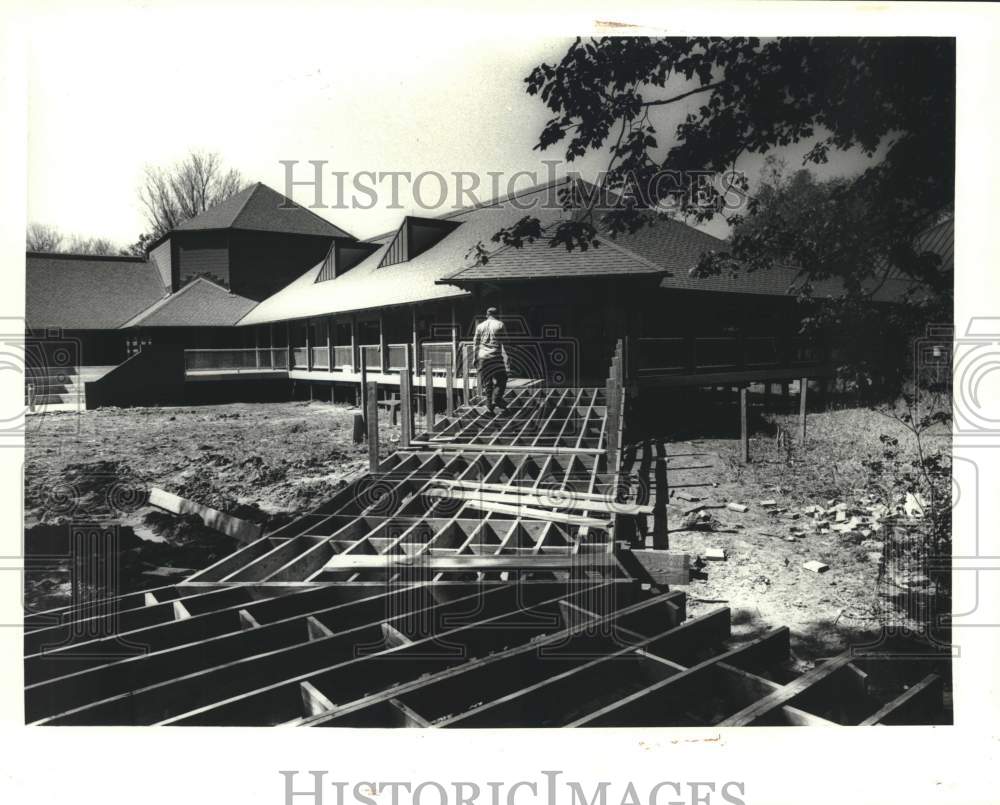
(414, 237)
(343, 256)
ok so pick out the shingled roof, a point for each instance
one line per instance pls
(84, 292)
(262, 209)
(200, 303)
(371, 285)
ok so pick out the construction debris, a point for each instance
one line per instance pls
(816, 567)
(737, 507)
(240, 530)
(715, 554)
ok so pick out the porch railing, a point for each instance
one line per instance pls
(694, 354)
(235, 360)
(343, 356)
(320, 357)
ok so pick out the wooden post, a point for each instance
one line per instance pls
(429, 401)
(383, 350)
(364, 383)
(465, 380)
(372, 394)
(803, 389)
(416, 342)
(354, 342)
(454, 336)
(745, 424)
(359, 427)
(309, 352)
(405, 403)
(449, 382)
(256, 347)
(288, 345)
(329, 349)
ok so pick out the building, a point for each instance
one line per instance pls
(261, 297)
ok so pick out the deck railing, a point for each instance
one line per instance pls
(320, 357)
(705, 354)
(343, 356)
(235, 360)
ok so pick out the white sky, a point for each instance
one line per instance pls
(112, 92)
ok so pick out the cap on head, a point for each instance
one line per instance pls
(491, 311)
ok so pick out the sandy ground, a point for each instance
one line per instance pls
(264, 462)
(270, 462)
(762, 578)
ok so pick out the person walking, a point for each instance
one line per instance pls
(491, 360)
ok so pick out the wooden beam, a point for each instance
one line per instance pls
(763, 707)
(405, 402)
(486, 563)
(519, 496)
(363, 395)
(241, 530)
(914, 706)
(745, 424)
(449, 387)
(314, 701)
(429, 402)
(529, 513)
(803, 390)
(372, 392)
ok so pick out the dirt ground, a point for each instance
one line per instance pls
(762, 578)
(265, 462)
(272, 461)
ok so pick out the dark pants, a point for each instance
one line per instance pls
(493, 381)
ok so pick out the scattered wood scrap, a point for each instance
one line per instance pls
(737, 507)
(816, 567)
(234, 527)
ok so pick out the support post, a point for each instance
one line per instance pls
(372, 393)
(364, 384)
(354, 342)
(803, 390)
(256, 347)
(745, 424)
(309, 351)
(449, 382)
(383, 350)
(288, 345)
(465, 380)
(416, 342)
(429, 401)
(329, 349)
(405, 403)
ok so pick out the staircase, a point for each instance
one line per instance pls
(60, 388)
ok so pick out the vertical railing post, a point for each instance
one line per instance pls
(371, 391)
(803, 391)
(354, 342)
(449, 384)
(429, 402)
(745, 424)
(406, 402)
(363, 385)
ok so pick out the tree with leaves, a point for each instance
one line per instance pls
(892, 99)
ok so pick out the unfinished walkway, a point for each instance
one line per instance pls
(477, 577)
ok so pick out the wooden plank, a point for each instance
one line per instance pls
(517, 496)
(449, 386)
(393, 637)
(510, 448)
(513, 489)
(373, 427)
(247, 621)
(149, 600)
(530, 513)
(487, 563)
(406, 402)
(180, 611)
(314, 701)
(757, 710)
(745, 424)
(411, 718)
(429, 391)
(914, 706)
(316, 629)
(240, 530)
(803, 390)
